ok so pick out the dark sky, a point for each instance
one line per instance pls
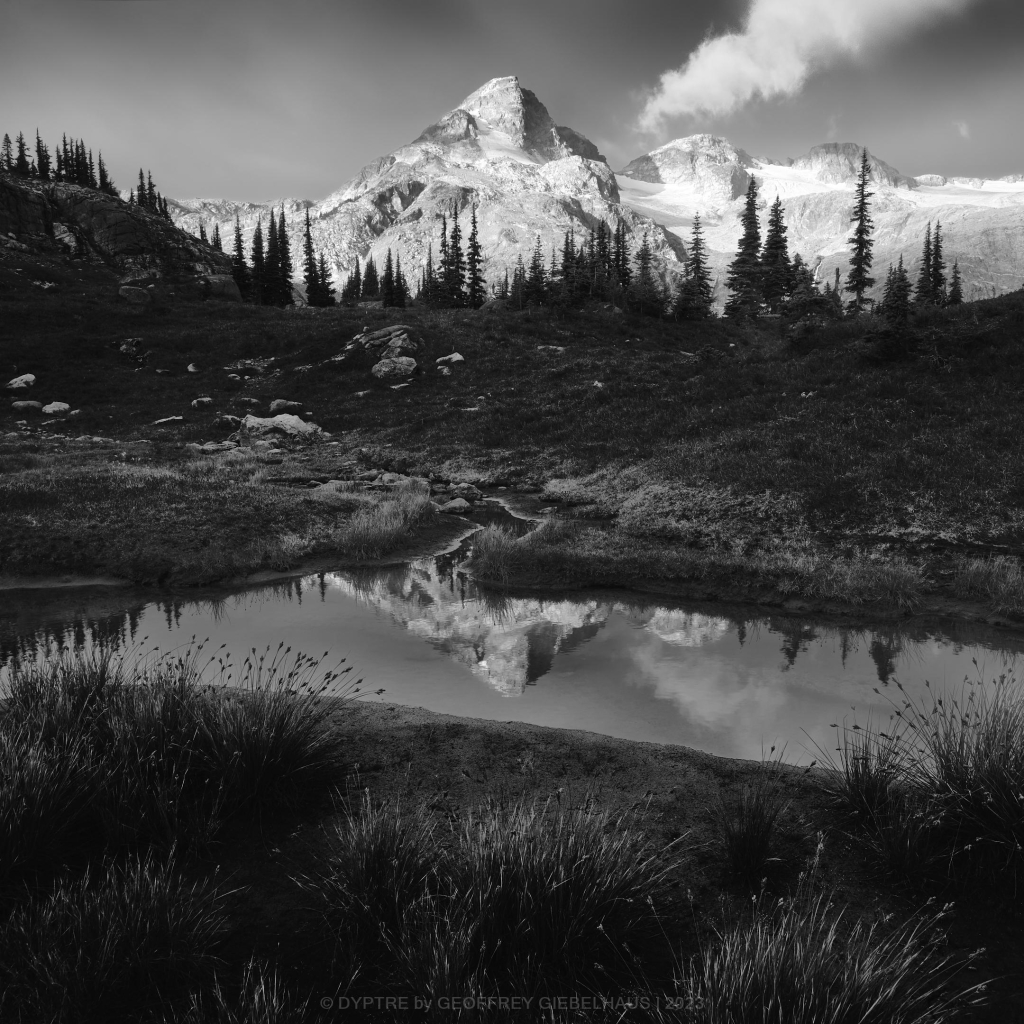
(257, 100)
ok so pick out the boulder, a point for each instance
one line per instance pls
(26, 406)
(55, 408)
(451, 358)
(220, 286)
(456, 506)
(22, 383)
(283, 405)
(284, 423)
(134, 296)
(247, 401)
(199, 403)
(193, 368)
(464, 490)
(392, 369)
(368, 348)
(226, 420)
(167, 419)
(212, 447)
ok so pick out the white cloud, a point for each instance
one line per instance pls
(782, 43)
(963, 128)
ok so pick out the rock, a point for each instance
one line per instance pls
(466, 490)
(226, 420)
(398, 387)
(162, 371)
(75, 412)
(550, 348)
(283, 405)
(247, 401)
(453, 357)
(445, 371)
(26, 406)
(456, 505)
(26, 380)
(389, 369)
(233, 376)
(55, 408)
(134, 296)
(391, 479)
(212, 447)
(192, 368)
(199, 403)
(220, 286)
(360, 394)
(365, 349)
(168, 419)
(284, 423)
(369, 475)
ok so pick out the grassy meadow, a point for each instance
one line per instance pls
(840, 467)
(183, 839)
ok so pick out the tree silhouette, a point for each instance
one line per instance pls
(859, 280)
(744, 279)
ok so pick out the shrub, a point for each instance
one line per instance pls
(100, 948)
(802, 962)
(749, 823)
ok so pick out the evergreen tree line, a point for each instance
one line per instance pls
(764, 278)
(391, 286)
(72, 162)
(266, 277)
(147, 197)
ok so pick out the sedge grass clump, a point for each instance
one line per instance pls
(749, 822)
(998, 580)
(121, 938)
(802, 961)
(138, 753)
(377, 530)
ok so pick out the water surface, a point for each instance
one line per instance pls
(724, 680)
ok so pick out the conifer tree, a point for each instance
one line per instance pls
(387, 282)
(503, 288)
(620, 256)
(475, 285)
(239, 268)
(923, 295)
(744, 280)
(859, 280)
(21, 167)
(428, 286)
(536, 281)
(325, 286)
(401, 285)
(150, 192)
(896, 300)
(260, 280)
(106, 185)
(371, 283)
(518, 290)
(6, 154)
(42, 158)
(93, 183)
(310, 269)
(695, 295)
(202, 232)
(956, 289)
(938, 267)
(645, 290)
(357, 282)
(131, 197)
(776, 270)
(285, 266)
(455, 272)
(215, 241)
(602, 267)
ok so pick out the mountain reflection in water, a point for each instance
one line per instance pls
(722, 680)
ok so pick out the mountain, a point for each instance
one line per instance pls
(982, 219)
(499, 149)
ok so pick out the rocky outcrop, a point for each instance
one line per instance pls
(371, 347)
(839, 162)
(284, 424)
(708, 163)
(135, 244)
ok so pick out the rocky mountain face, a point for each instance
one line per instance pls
(499, 150)
(982, 220)
(133, 243)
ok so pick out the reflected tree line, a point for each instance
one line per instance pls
(41, 625)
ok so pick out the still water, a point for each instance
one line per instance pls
(721, 679)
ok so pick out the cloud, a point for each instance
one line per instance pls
(963, 128)
(782, 43)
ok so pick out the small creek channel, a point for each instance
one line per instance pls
(724, 679)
